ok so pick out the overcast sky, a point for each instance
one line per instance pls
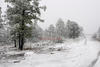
(85, 12)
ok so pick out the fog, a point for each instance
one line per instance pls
(85, 12)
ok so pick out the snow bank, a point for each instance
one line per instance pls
(79, 54)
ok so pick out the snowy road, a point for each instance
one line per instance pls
(79, 55)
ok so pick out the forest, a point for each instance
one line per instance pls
(24, 43)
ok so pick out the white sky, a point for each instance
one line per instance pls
(85, 12)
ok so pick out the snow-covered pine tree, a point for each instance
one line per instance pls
(60, 30)
(60, 27)
(20, 14)
(66, 31)
(51, 31)
(37, 33)
(74, 30)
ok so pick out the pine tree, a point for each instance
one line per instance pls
(20, 14)
(51, 31)
(37, 33)
(74, 30)
(60, 31)
(66, 31)
(60, 27)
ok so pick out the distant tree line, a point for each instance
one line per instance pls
(61, 30)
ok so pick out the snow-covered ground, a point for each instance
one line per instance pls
(75, 54)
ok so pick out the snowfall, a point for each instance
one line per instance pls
(71, 53)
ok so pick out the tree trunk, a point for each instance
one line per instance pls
(19, 41)
(21, 35)
(22, 42)
(15, 43)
